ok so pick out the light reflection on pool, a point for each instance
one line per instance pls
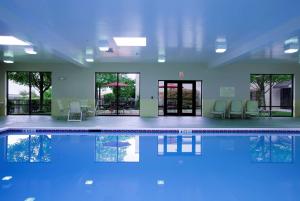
(138, 167)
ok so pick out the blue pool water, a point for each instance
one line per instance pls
(81, 167)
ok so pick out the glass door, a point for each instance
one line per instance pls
(171, 98)
(29, 93)
(180, 98)
(188, 98)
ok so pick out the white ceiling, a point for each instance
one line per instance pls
(184, 30)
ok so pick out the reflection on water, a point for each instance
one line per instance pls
(180, 145)
(28, 148)
(272, 149)
(117, 149)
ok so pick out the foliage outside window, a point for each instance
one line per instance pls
(117, 94)
(274, 93)
(29, 92)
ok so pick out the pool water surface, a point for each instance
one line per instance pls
(108, 167)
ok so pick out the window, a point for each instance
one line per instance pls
(117, 94)
(274, 93)
(29, 93)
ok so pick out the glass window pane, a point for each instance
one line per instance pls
(161, 95)
(274, 93)
(260, 89)
(106, 93)
(187, 98)
(117, 93)
(41, 92)
(198, 97)
(129, 97)
(282, 95)
(18, 93)
(172, 93)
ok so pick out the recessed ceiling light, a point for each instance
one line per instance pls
(6, 178)
(221, 45)
(89, 182)
(103, 46)
(131, 41)
(103, 49)
(11, 40)
(89, 60)
(291, 51)
(220, 50)
(291, 45)
(30, 50)
(161, 59)
(89, 55)
(8, 61)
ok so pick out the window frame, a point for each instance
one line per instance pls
(29, 99)
(270, 106)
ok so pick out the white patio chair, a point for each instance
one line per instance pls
(74, 111)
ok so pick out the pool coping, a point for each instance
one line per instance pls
(155, 131)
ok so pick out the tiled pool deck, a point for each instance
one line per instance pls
(154, 123)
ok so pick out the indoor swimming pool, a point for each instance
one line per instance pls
(83, 166)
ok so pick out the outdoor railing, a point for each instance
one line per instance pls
(20, 106)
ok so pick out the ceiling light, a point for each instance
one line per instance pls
(103, 46)
(89, 182)
(221, 45)
(30, 50)
(11, 40)
(8, 61)
(220, 50)
(6, 178)
(291, 51)
(8, 56)
(161, 59)
(89, 55)
(131, 41)
(291, 45)
(103, 49)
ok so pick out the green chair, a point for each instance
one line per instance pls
(252, 109)
(219, 108)
(236, 108)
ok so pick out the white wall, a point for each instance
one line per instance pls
(79, 82)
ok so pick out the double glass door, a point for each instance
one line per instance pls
(180, 98)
